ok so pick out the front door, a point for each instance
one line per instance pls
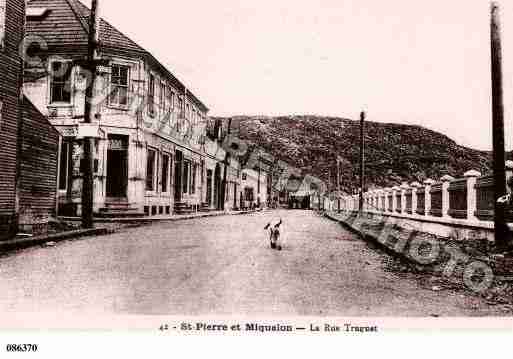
(217, 187)
(178, 176)
(235, 195)
(117, 166)
(209, 187)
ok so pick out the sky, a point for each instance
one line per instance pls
(405, 61)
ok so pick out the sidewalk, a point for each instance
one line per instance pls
(22, 242)
(105, 226)
(157, 218)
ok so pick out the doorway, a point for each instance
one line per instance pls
(209, 187)
(178, 176)
(117, 166)
(217, 187)
(235, 195)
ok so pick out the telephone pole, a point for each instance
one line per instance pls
(362, 160)
(338, 183)
(226, 162)
(501, 230)
(87, 186)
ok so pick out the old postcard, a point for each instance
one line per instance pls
(324, 168)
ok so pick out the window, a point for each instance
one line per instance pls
(65, 165)
(60, 82)
(150, 170)
(248, 194)
(171, 95)
(180, 106)
(151, 96)
(167, 108)
(2, 23)
(194, 174)
(162, 97)
(119, 85)
(1, 114)
(186, 170)
(165, 173)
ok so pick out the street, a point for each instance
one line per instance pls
(222, 266)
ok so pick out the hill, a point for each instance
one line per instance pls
(394, 154)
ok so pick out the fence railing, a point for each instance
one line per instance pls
(470, 198)
(485, 198)
(458, 199)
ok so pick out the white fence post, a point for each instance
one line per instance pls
(380, 200)
(446, 181)
(404, 188)
(471, 177)
(414, 199)
(427, 196)
(394, 198)
(385, 195)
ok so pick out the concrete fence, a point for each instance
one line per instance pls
(439, 207)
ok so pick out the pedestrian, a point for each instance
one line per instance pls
(274, 234)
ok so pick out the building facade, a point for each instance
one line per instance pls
(151, 152)
(253, 192)
(12, 15)
(37, 171)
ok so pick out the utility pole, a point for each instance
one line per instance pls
(226, 158)
(338, 183)
(362, 160)
(258, 184)
(501, 230)
(87, 186)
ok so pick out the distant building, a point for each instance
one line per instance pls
(253, 188)
(309, 195)
(151, 155)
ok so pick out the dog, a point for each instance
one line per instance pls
(274, 234)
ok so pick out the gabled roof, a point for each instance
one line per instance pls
(60, 26)
(66, 26)
(109, 36)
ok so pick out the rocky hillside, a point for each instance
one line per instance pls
(395, 153)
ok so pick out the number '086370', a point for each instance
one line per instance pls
(24, 348)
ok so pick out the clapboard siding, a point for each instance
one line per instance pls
(37, 188)
(10, 76)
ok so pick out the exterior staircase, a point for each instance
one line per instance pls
(119, 209)
(183, 208)
(204, 207)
